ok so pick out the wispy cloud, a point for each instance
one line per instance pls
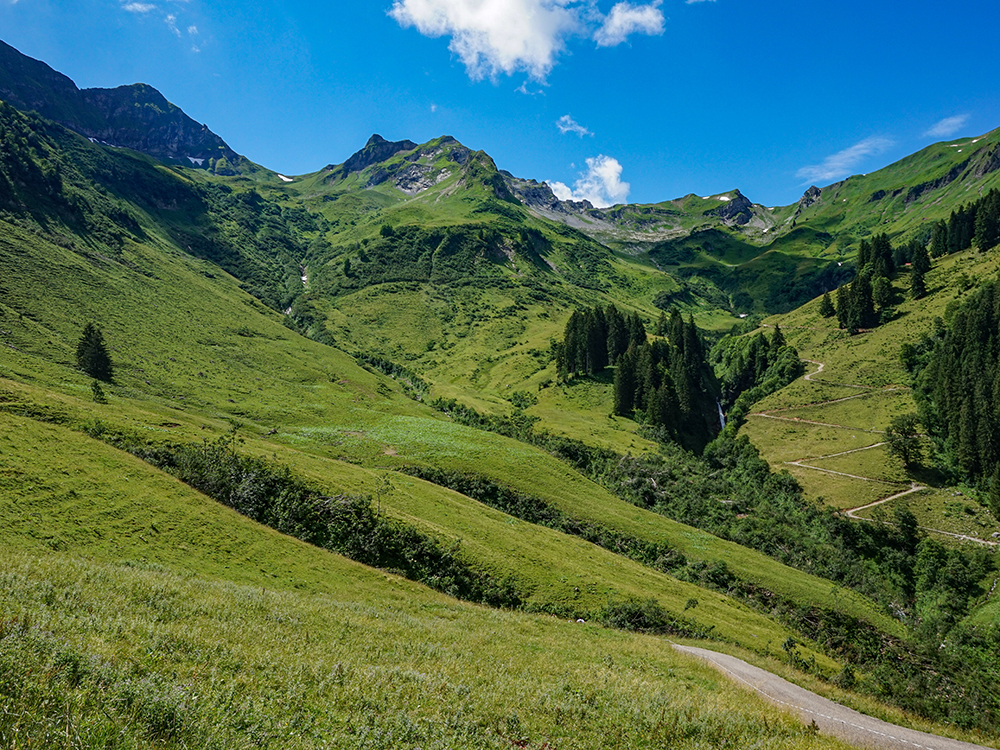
(947, 126)
(626, 19)
(692, 2)
(494, 37)
(138, 7)
(567, 124)
(842, 163)
(171, 21)
(601, 184)
(193, 30)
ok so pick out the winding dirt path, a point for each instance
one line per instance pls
(851, 512)
(801, 463)
(831, 718)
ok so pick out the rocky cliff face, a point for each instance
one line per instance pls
(140, 118)
(136, 117)
(737, 210)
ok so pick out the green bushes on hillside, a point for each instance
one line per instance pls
(270, 494)
(731, 492)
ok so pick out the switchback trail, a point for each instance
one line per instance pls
(832, 719)
(851, 512)
(802, 462)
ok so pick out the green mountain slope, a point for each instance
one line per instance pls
(248, 304)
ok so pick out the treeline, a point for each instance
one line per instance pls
(668, 383)
(956, 373)
(752, 367)
(978, 222)
(868, 300)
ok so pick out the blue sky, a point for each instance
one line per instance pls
(640, 101)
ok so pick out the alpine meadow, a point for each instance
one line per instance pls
(410, 452)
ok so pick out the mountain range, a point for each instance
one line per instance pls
(344, 486)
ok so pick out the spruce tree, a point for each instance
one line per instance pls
(919, 266)
(92, 355)
(777, 340)
(987, 224)
(826, 308)
(939, 239)
(918, 287)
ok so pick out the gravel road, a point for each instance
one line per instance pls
(831, 718)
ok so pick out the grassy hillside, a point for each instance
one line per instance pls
(314, 321)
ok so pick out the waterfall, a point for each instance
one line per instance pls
(722, 417)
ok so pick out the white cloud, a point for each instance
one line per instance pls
(692, 2)
(601, 184)
(495, 36)
(947, 126)
(567, 124)
(434, 108)
(843, 162)
(138, 7)
(626, 19)
(193, 30)
(171, 21)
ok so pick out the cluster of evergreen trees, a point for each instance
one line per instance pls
(957, 377)
(669, 384)
(595, 338)
(979, 222)
(751, 367)
(867, 301)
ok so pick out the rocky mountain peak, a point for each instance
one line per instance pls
(377, 149)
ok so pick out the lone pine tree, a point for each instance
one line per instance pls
(92, 355)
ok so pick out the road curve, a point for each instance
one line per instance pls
(832, 719)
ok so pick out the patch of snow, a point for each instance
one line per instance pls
(959, 151)
(723, 198)
(284, 179)
(288, 310)
(199, 162)
(743, 315)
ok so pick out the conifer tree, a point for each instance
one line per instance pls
(826, 308)
(843, 305)
(882, 292)
(92, 355)
(939, 239)
(777, 339)
(987, 224)
(918, 286)
(919, 266)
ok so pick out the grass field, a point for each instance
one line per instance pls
(104, 655)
